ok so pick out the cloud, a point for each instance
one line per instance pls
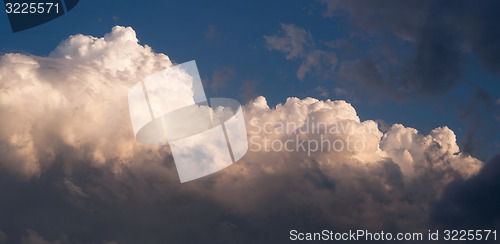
(411, 151)
(439, 37)
(293, 41)
(211, 32)
(394, 49)
(437, 151)
(117, 51)
(323, 92)
(220, 77)
(298, 43)
(3, 237)
(471, 203)
(72, 103)
(317, 60)
(248, 90)
(74, 189)
(479, 115)
(34, 238)
(67, 135)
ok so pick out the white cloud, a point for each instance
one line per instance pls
(117, 51)
(77, 99)
(72, 108)
(414, 153)
(398, 174)
(73, 103)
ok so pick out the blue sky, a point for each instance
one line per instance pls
(228, 35)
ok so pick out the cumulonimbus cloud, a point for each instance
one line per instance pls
(71, 108)
(73, 100)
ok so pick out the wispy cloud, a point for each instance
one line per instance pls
(298, 43)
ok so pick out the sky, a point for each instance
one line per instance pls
(423, 76)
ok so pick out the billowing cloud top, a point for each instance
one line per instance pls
(70, 109)
(76, 98)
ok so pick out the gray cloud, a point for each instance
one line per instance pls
(479, 115)
(397, 47)
(248, 90)
(211, 32)
(472, 203)
(293, 41)
(441, 35)
(298, 43)
(220, 77)
(3, 237)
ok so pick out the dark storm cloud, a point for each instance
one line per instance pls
(472, 203)
(441, 34)
(147, 207)
(479, 114)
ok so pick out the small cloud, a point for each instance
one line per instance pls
(384, 127)
(297, 43)
(3, 237)
(220, 78)
(341, 43)
(319, 60)
(210, 32)
(33, 238)
(323, 92)
(340, 91)
(74, 189)
(498, 101)
(228, 225)
(292, 40)
(249, 90)
(116, 18)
